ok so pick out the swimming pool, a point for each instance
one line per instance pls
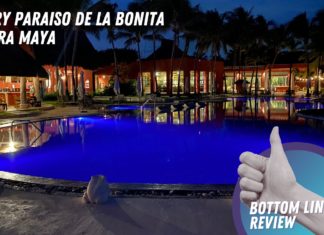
(196, 146)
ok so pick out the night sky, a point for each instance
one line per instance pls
(280, 11)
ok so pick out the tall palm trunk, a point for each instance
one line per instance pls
(112, 41)
(237, 59)
(175, 38)
(154, 62)
(308, 77)
(270, 75)
(185, 52)
(140, 65)
(197, 73)
(233, 82)
(269, 80)
(65, 69)
(317, 91)
(256, 85)
(73, 65)
(244, 79)
(250, 92)
(225, 81)
(200, 53)
(289, 81)
(214, 53)
(239, 63)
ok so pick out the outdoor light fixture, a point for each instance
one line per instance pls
(11, 147)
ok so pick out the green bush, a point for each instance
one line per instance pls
(50, 97)
(127, 89)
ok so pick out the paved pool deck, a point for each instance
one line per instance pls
(35, 213)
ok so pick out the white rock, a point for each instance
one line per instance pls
(97, 190)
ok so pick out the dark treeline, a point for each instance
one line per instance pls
(244, 39)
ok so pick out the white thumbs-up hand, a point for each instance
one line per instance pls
(266, 179)
(272, 179)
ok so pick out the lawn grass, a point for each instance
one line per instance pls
(4, 114)
(52, 102)
(9, 115)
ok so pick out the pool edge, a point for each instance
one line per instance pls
(29, 183)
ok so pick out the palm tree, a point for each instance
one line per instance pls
(202, 46)
(182, 12)
(134, 35)
(279, 39)
(154, 35)
(256, 51)
(74, 7)
(239, 26)
(104, 6)
(207, 31)
(112, 37)
(214, 34)
(85, 5)
(191, 31)
(177, 13)
(71, 34)
(300, 29)
(317, 39)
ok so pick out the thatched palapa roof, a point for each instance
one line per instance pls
(165, 51)
(14, 61)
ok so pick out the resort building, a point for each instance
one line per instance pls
(42, 66)
(66, 75)
(20, 76)
(275, 79)
(36, 69)
(193, 75)
(258, 78)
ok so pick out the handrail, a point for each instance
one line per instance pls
(146, 101)
(19, 122)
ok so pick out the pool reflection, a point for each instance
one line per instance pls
(278, 109)
(34, 134)
(17, 137)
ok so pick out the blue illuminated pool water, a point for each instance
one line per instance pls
(199, 146)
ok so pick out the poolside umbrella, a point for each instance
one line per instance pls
(116, 85)
(139, 86)
(81, 87)
(32, 90)
(60, 87)
(59, 84)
